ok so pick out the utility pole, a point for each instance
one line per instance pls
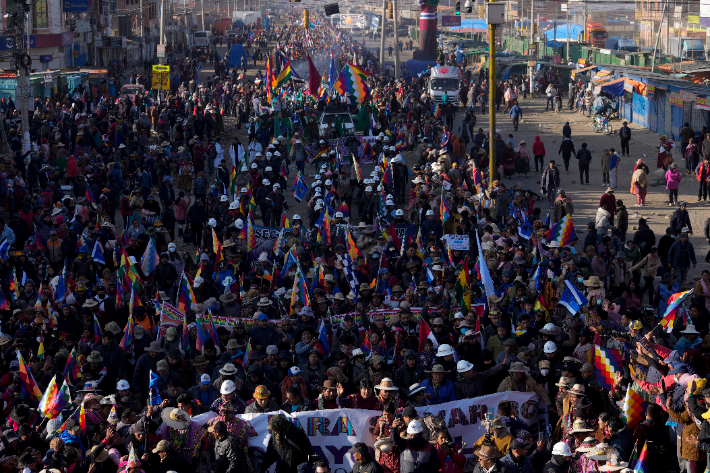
(142, 38)
(162, 25)
(382, 36)
(668, 29)
(567, 28)
(202, 6)
(491, 101)
(532, 27)
(658, 38)
(24, 63)
(396, 40)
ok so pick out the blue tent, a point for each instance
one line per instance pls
(560, 33)
(235, 55)
(476, 24)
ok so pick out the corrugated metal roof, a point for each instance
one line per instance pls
(653, 76)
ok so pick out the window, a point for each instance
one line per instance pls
(40, 14)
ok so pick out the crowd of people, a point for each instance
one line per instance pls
(84, 293)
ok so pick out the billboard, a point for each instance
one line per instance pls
(353, 21)
(453, 20)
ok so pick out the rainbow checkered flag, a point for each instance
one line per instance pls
(562, 231)
(445, 212)
(608, 362)
(634, 408)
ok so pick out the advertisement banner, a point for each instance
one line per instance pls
(701, 103)
(333, 432)
(676, 102)
(451, 20)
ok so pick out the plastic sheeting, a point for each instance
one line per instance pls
(476, 24)
(560, 33)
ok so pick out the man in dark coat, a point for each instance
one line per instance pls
(680, 219)
(288, 447)
(228, 453)
(644, 238)
(114, 361)
(364, 463)
(471, 383)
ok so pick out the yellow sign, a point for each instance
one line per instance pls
(694, 19)
(161, 77)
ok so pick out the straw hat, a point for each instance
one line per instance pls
(593, 281)
(175, 418)
(387, 385)
(488, 451)
(579, 426)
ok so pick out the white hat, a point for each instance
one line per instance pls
(224, 198)
(368, 189)
(317, 177)
(239, 223)
(199, 280)
(690, 328)
(269, 154)
(561, 448)
(415, 427)
(399, 212)
(268, 169)
(356, 352)
(122, 385)
(296, 217)
(277, 186)
(258, 153)
(445, 350)
(550, 347)
(244, 168)
(233, 205)
(254, 165)
(318, 207)
(338, 214)
(212, 223)
(429, 212)
(133, 259)
(298, 141)
(228, 387)
(205, 379)
(172, 246)
(389, 202)
(266, 182)
(463, 366)
(244, 189)
(328, 182)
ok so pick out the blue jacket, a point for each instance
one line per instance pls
(613, 161)
(674, 254)
(516, 111)
(443, 393)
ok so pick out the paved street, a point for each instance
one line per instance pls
(548, 125)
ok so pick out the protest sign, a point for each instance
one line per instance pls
(332, 432)
(457, 242)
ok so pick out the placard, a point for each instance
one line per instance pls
(649, 91)
(687, 96)
(676, 102)
(457, 242)
(161, 77)
(702, 103)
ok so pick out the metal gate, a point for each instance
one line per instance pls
(653, 107)
(627, 108)
(661, 115)
(668, 117)
(697, 118)
(640, 105)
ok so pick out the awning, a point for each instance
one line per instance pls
(620, 86)
(583, 70)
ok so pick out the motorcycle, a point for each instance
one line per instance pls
(601, 125)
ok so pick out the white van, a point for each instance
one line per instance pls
(201, 39)
(444, 79)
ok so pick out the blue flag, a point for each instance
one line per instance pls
(155, 399)
(332, 73)
(300, 188)
(573, 299)
(323, 346)
(97, 255)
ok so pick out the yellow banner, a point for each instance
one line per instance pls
(676, 102)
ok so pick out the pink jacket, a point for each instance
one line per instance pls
(181, 208)
(672, 179)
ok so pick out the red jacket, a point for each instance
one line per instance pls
(538, 147)
(455, 463)
(703, 167)
(610, 201)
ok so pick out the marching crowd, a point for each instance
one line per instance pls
(361, 302)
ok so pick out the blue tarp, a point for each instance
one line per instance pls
(235, 55)
(476, 24)
(616, 89)
(560, 33)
